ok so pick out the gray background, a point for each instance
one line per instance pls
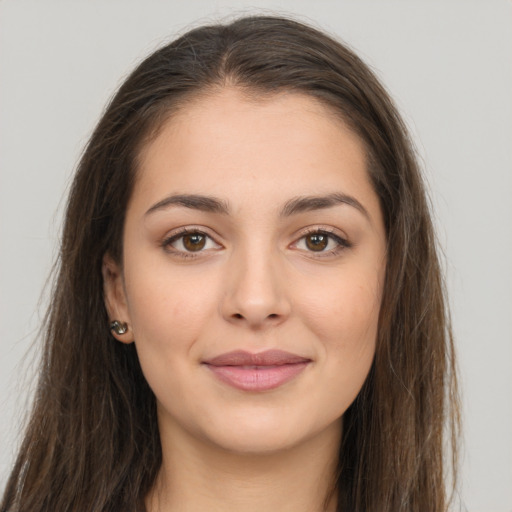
(447, 63)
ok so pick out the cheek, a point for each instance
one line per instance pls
(169, 314)
(169, 311)
(344, 317)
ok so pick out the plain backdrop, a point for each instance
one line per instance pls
(447, 63)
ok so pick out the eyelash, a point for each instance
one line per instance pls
(168, 241)
(341, 243)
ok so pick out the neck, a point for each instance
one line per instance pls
(196, 475)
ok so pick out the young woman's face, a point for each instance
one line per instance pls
(254, 260)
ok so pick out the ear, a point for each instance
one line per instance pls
(114, 295)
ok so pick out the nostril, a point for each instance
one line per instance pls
(238, 315)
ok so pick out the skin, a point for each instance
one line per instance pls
(255, 285)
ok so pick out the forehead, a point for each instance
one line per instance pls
(223, 142)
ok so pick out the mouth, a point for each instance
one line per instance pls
(257, 372)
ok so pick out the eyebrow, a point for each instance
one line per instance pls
(309, 203)
(292, 207)
(192, 201)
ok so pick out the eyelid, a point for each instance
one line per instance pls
(178, 233)
(321, 228)
(333, 233)
(337, 235)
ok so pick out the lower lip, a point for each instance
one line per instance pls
(257, 378)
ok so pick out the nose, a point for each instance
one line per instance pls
(255, 291)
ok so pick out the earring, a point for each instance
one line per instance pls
(119, 327)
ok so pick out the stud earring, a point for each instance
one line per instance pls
(119, 327)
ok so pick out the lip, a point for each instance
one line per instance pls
(260, 371)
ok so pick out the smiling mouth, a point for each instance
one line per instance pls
(257, 372)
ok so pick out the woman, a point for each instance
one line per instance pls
(249, 310)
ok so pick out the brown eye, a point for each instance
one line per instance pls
(317, 242)
(194, 242)
(190, 244)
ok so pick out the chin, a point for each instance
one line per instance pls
(255, 442)
(263, 433)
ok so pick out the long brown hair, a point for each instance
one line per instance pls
(92, 442)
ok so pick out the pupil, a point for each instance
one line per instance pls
(194, 242)
(317, 242)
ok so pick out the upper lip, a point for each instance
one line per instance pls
(267, 358)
